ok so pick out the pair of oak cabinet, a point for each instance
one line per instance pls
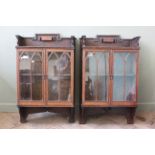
(46, 74)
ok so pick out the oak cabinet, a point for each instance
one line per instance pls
(45, 75)
(109, 74)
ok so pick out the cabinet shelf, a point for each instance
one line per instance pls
(22, 74)
(25, 83)
(130, 75)
(61, 75)
(59, 78)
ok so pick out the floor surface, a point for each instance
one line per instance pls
(143, 120)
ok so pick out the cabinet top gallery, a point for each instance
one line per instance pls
(45, 40)
(110, 42)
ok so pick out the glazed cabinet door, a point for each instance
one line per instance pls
(59, 84)
(95, 78)
(125, 67)
(30, 77)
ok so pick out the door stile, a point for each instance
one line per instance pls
(137, 75)
(31, 78)
(83, 75)
(17, 76)
(72, 77)
(111, 77)
(97, 79)
(44, 77)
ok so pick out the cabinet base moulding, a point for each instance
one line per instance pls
(86, 111)
(25, 111)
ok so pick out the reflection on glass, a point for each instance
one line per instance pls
(58, 76)
(52, 89)
(65, 89)
(36, 63)
(25, 63)
(58, 64)
(124, 77)
(96, 76)
(25, 92)
(37, 87)
(24, 79)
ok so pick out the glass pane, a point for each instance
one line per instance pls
(53, 74)
(124, 77)
(53, 58)
(58, 63)
(52, 88)
(64, 64)
(30, 65)
(36, 63)
(37, 88)
(24, 79)
(59, 76)
(96, 76)
(25, 63)
(65, 89)
(25, 92)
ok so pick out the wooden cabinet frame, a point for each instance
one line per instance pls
(125, 103)
(111, 45)
(45, 43)
(110, 81)
(29, 102)
(92, 103)
(61, 103)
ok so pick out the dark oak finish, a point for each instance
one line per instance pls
(45, 75)
(109, 74)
